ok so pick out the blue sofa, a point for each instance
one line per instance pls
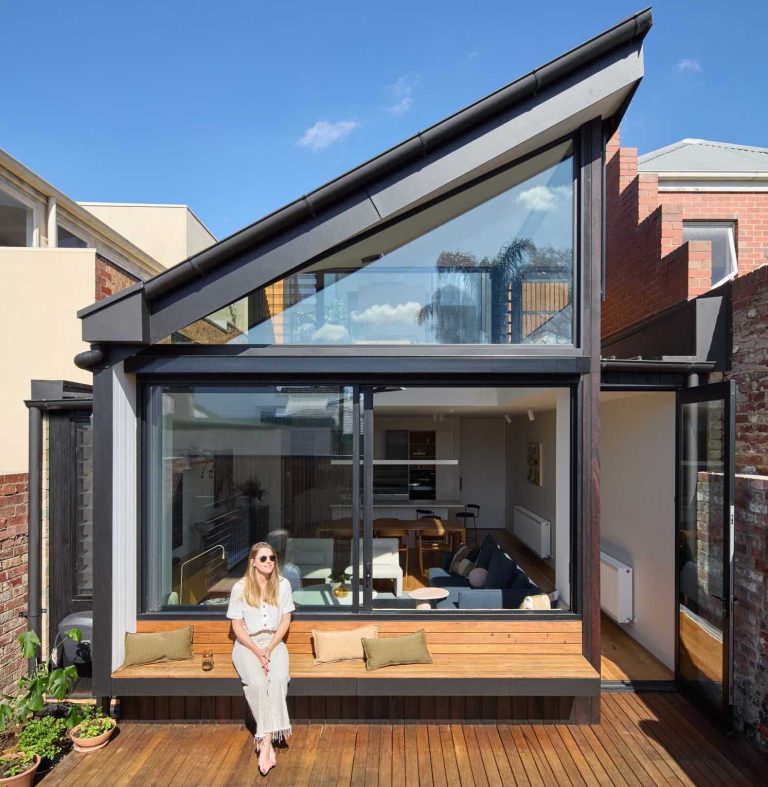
(506, 583)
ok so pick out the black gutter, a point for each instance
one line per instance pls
(639, 365)
(35, 519)
(633, 28)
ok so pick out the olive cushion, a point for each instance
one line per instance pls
(341, 645)
(173, 645)
(409, 649)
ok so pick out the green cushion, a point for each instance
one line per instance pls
(410, 649)
(173, 645)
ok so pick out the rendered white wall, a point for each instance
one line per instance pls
(637, 500)
(483, 469)
(124, 563)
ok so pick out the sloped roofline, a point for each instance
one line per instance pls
(652, 155)
(632, 29)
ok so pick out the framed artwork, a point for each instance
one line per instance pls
(534, 463)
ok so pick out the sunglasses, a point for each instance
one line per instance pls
(265, 558)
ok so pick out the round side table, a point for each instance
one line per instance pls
(428, 597)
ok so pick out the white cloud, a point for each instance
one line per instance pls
(331, 334)
(402, 90)
(543, 198)
(323, 134)
(386, 314)
(688, 65)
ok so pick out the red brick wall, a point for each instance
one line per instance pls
(110, 279)
(648, 267)
(13, 575)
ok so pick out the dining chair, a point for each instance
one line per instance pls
(433, 538)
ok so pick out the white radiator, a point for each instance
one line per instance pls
(616, 589)
(532, 530)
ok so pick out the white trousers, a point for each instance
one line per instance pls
(265, 694)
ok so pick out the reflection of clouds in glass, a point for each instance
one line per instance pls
(544, 198)
(331, 334)
(386, 314)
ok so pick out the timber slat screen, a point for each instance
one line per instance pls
(643, 739)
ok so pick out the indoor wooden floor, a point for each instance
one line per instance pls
(643, 739)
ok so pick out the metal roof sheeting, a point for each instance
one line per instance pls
(704, 156)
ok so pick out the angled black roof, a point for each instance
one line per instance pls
(131, 310)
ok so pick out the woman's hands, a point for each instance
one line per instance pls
(263, 655)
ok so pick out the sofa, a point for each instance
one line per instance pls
(506, 585)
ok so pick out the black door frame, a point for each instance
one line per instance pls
(724, 391)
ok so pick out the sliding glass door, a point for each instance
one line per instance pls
(705, 531)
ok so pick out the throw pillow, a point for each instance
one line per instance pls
(462, 554)
(410, 649)
(341, 645)
(465, 568)
(477, 577)
(487, 548)
(520, 580)
(174, 645)
(501, 571)
(536, 602)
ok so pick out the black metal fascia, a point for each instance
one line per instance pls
(631, 29)
(639, 365)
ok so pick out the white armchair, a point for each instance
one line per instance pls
(385, 563)
(312, 556)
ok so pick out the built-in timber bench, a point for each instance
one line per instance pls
(482, 660)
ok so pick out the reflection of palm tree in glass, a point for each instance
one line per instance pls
(463, 292)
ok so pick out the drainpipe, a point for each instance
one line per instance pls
(35, 518)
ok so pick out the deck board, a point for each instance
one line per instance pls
(643, 739)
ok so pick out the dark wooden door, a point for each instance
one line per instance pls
(70, 521)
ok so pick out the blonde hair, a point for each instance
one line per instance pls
(252, 589)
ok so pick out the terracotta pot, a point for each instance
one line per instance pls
(87, 745)
(25, 779)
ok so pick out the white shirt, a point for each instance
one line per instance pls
(265, 617)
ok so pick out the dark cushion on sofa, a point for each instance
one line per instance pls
(449, 581)
(501, 571)
(487, 549)
(520, 581)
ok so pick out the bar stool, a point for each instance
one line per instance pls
(470, 515)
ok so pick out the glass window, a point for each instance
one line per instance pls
(232, 466)
(721, 235)
(490, 264)
(16, 221)
(68, 240)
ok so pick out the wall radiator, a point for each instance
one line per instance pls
(616, 589)
(532, 530)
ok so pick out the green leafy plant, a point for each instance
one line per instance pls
(14, 764)
(341, 576)
(45, 736)
(42, 684)
(98, 725)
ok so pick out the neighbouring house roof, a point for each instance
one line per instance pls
(703, 156)
(595, 80)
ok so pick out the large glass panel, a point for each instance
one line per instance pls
(720, 234)
(16, 221)
(457, 469)
(68, 240)
(702, 538)
(230, 466)
(490, 264)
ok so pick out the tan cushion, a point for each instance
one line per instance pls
(536, 602)
(173, 645)
(341, 645)
(410, 649)
(461, 555)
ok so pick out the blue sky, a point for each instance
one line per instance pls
(237, 107)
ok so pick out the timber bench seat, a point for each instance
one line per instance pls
(470, 657)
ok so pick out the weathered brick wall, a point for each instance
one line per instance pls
(750, 370)
(110, 279)
(13, 575)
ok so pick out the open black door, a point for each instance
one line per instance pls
(705, 538)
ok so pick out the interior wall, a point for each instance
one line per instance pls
(637, 457)
(541, 500)
(483, 469)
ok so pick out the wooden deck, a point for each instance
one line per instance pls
(643, 739)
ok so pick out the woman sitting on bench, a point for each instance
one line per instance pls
(260, 607)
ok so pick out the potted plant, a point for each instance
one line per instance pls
(44, 737)
(93, 734)
(18, 768)
(341, 590)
